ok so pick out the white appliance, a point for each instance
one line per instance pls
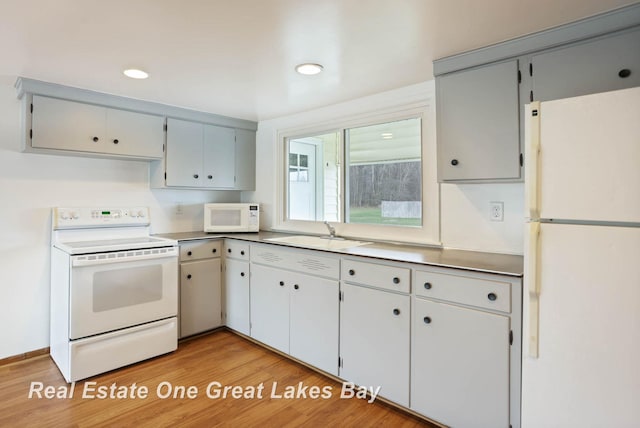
(231, 217)
(114, 290)
(581, 359)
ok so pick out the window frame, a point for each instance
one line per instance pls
(427, 234)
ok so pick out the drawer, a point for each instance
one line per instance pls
(236, 250)
(376, 275)
(479, 292)
(197, 250)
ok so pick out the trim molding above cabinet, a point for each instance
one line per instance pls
(593, 26)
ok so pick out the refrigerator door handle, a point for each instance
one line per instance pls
(533, 288)
(533, 159)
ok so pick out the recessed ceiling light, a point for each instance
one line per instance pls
(309, 68)
(135, 73)
(386, 135)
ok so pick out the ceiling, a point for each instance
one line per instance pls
(237, 57)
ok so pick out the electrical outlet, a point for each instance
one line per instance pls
(179, 208)
(496, 212)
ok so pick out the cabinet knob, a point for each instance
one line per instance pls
(96, 139)
(624, 73)
(195, 176)
(396, 311)
(396, 280)
(492, 296)
(189, 253)
(209, 177)
(296, 286)
(215, 250)
(427, 320)
(229, 250)
(427, 285)
(352, 272)
(116, 141)
(281, 283)
(241, 273)
(454, 162)
(242, 253)
(189, 276)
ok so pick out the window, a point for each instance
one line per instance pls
(385, 174)
(380, 183)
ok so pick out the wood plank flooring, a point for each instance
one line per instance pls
(222, 357)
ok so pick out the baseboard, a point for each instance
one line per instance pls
(25, 356)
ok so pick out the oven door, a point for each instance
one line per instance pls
(110, 291)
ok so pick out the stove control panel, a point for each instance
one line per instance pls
(64, 218)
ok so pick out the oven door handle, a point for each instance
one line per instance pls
(124, 256)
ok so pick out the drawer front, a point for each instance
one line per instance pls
(478, 292)
(200, 250)
(236, 250)
(375, 275)
(297, 260)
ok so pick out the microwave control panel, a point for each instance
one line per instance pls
(254, 216)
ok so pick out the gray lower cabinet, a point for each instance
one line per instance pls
(374, 340)
(200, 287)
(235, 291)
(69, 127)
(375, 318)
(477, 123)
(598, 65)
(460, 365)
(295, 303)
(296, 314)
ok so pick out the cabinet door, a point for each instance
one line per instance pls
(200, 307)
(588, 67)
(67, 125)
(134, 134)
(314, 322)
(219, 157)
(245, 160)
(236, 295)
(460, 365)
(478, 123)
(270, 306)
(374, 340)
(184, 153)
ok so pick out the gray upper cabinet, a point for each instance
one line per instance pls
(478, 126)
(599, 65)
(480, 94)
(189, 149)
(245, 160)
(199, 155)
(62, 126)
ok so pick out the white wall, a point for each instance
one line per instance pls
(464, 220)
(30, 184)
(464, 210)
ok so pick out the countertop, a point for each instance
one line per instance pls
(504, 264)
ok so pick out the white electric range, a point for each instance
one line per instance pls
(114, 290)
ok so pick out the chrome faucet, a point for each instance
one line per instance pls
(332, 230)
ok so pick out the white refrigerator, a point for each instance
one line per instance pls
(581, 309)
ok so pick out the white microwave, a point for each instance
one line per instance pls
(231, 217)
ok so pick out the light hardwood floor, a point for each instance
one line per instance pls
(222, 357)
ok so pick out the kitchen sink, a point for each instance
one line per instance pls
(325, 243)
